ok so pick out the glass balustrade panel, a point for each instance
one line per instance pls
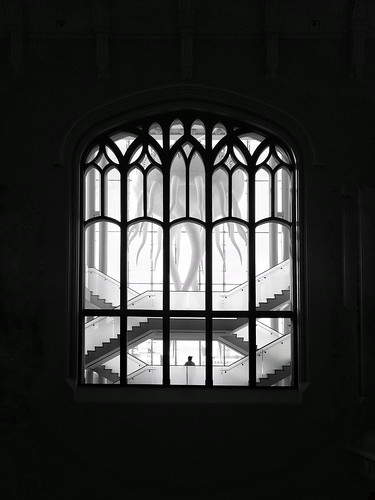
(145, 350)
(273, 355)
(273, 270)
(102, 340)
(230, 351)
(187, 351)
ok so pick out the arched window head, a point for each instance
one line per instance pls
(188, 255)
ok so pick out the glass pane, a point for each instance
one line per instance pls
(178, 188)
(113, 194)
(102, 266)
(262, 194)
(135, 194)
(101, 161)
(273, 280)
(156, 133)
(198, 132)
(92, 154)
(282, 154)
(197, 188)
(272, 161)
(187, 351)
(218, 132)
(221, 155)
(240, 207)
(264, 155)
(230, 351)
(230, 267)
(145, 350)
(175, 132)
(102, 341)
(155, 194)
(136, 154)
(252, 141)
(145, 266)
(187, 262)
(111, 155)
(230, 161)
(122, 141)
(282, 195)
(92, 194)
(219, 194)
(153, 155)
(239, 156)
(273, 356)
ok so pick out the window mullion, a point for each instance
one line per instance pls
(251, 278)
(124, 276)
(208, 164)
(208, 196)
(166, 265)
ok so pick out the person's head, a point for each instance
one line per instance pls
(190, 358)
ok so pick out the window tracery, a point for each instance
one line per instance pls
(188, 229)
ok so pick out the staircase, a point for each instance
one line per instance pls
(226, 330)
(109, 349)
(107, 374)
(93, 301)
(273, 302)
(276, 376)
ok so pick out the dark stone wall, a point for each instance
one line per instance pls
(57, 448)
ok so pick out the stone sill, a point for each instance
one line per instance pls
(186, 395)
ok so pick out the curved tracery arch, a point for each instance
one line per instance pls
(205, 211)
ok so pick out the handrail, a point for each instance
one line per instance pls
(105, 276)
(268, 271)
(99, 318)
(245, 358)
(138, 372)
(233, 365)
(140, 296)
(273, 341)
(232, 290)
(269, 329)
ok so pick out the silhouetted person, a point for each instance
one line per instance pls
(189, 362)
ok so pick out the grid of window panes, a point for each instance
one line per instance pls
(188, 226)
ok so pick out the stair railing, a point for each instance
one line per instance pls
(103, 285)
(273, 281)
(273, 355)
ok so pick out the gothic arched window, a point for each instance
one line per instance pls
(188, 237)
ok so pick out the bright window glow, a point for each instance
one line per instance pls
(188, 237)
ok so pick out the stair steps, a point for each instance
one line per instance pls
(96, 301)
(277, 300)
(276, 376)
